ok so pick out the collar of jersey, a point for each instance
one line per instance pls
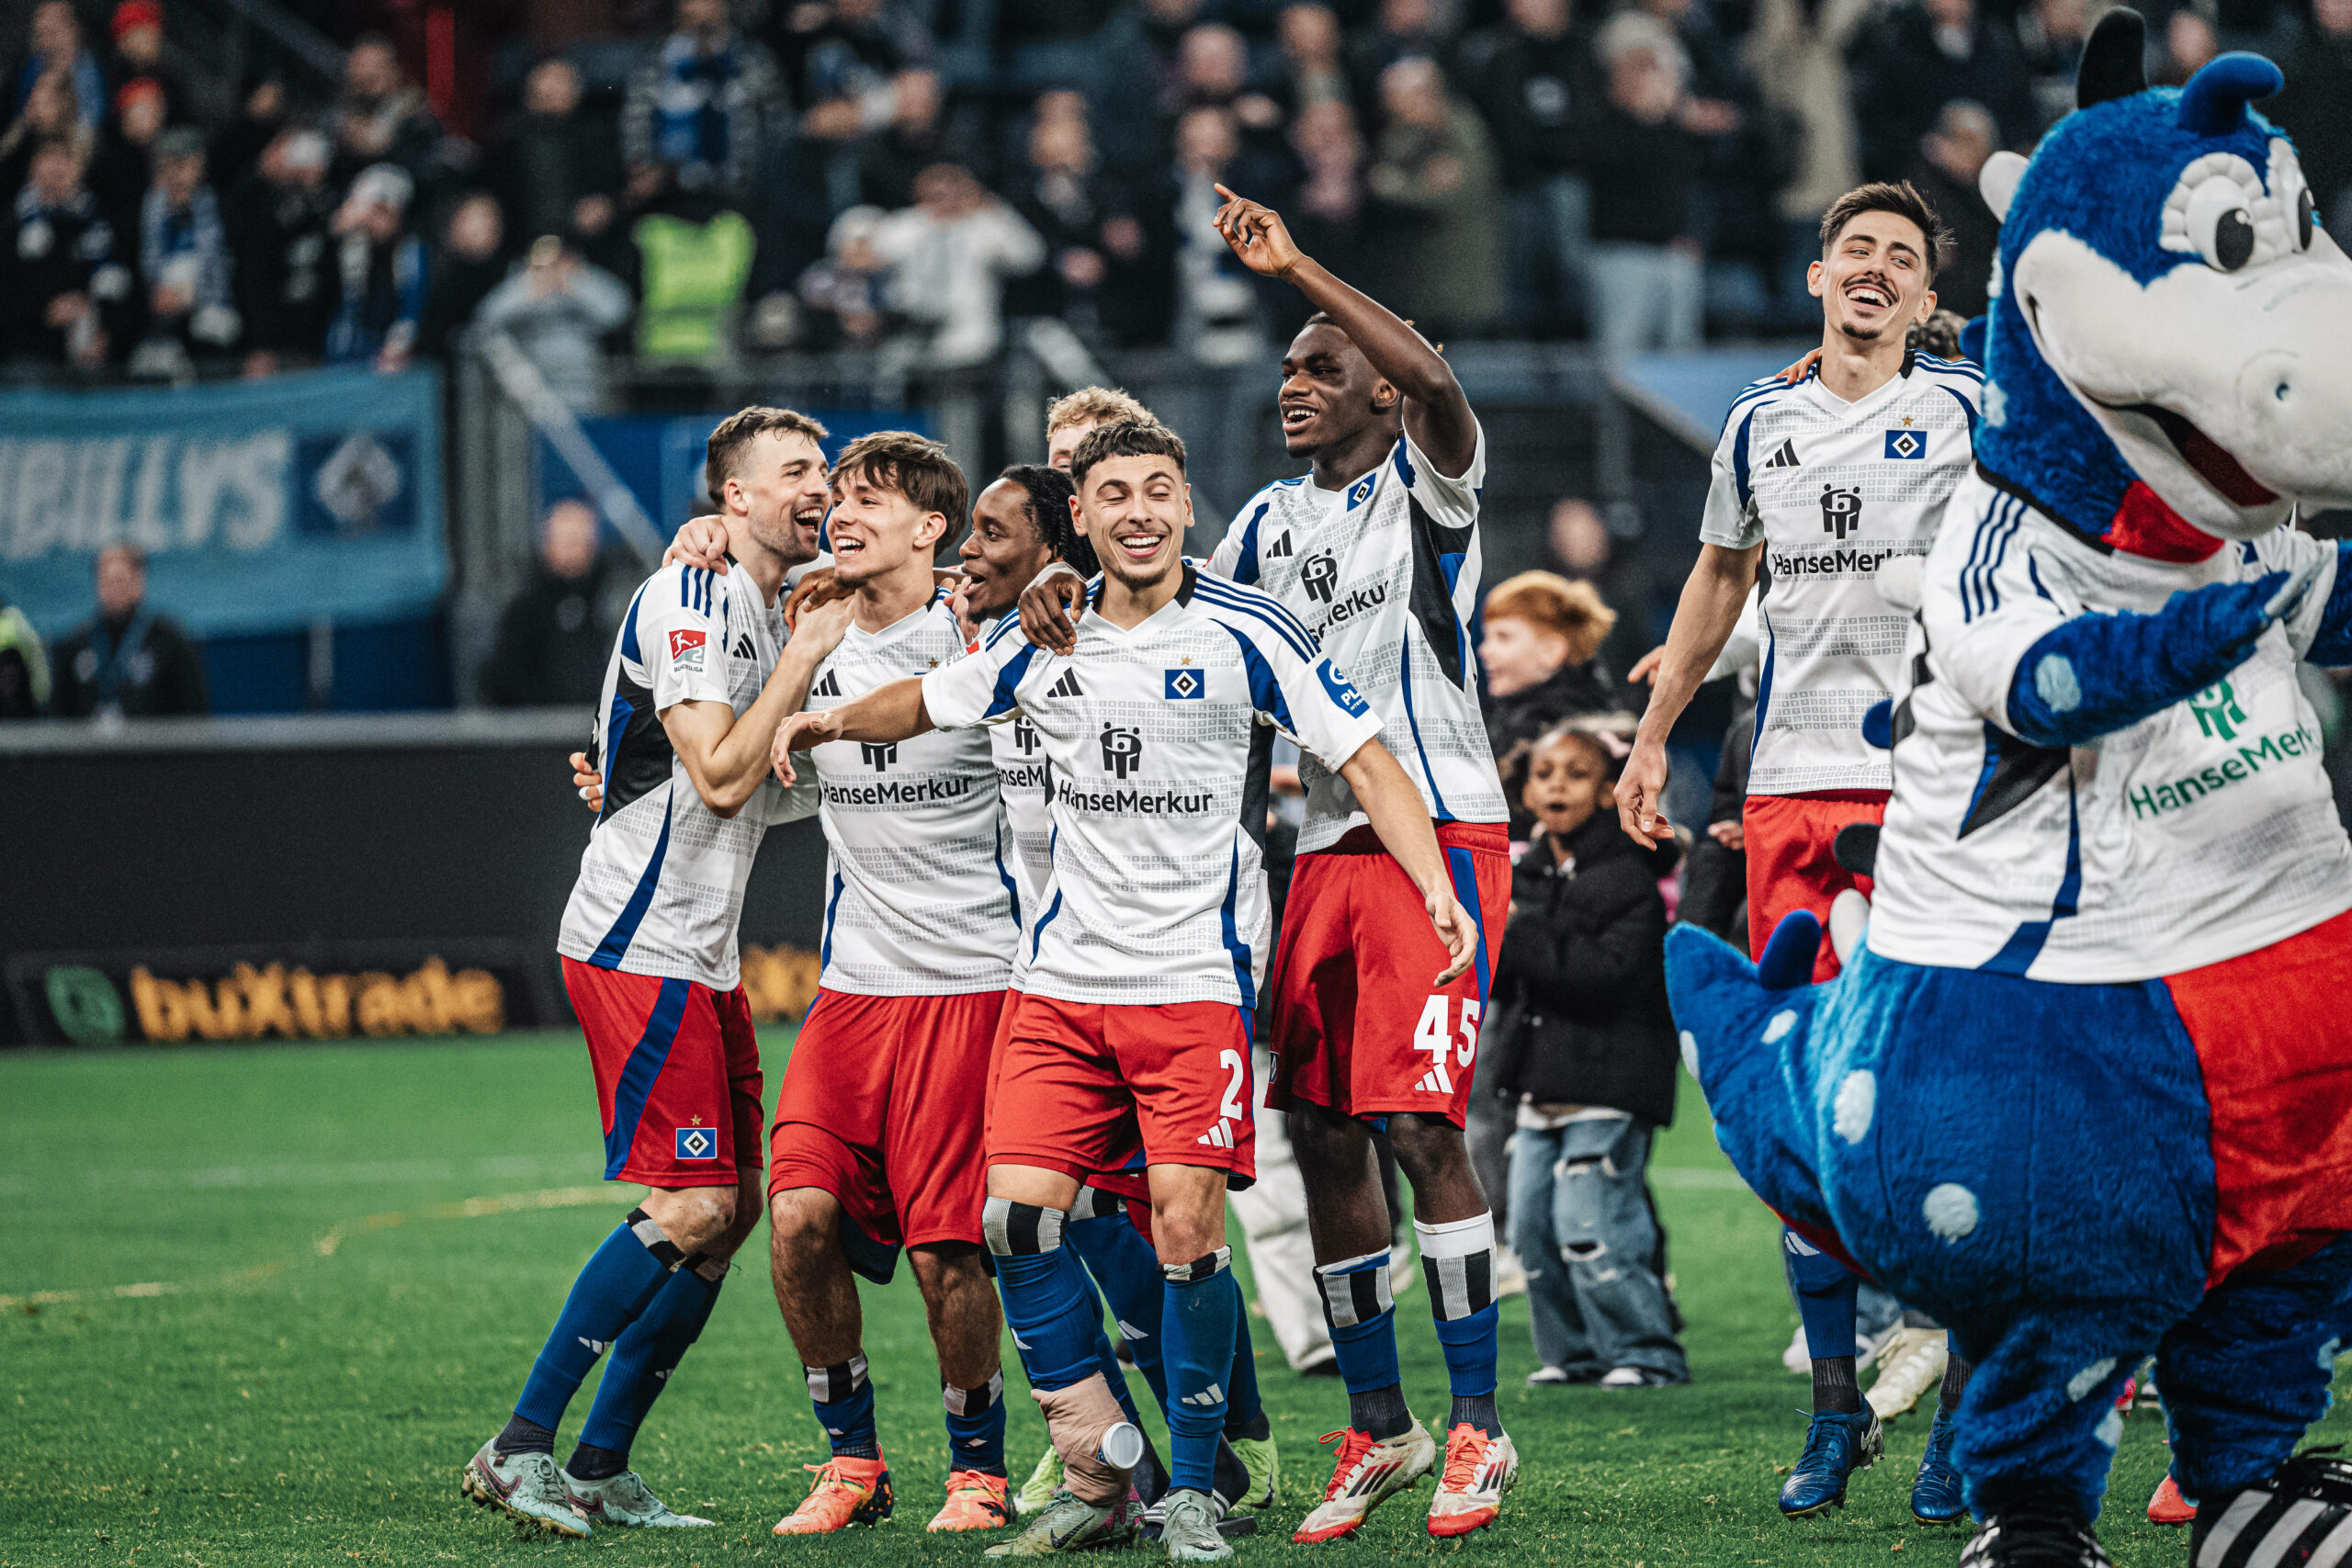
(1861, 407)
(896, 629)
(1182, 600)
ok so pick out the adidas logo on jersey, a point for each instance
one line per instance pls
(1219, 1136)
(1066, 686)
(743, 648)
(1786, 457)
(830, 686)
(1280, 547)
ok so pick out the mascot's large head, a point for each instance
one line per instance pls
(2171, 334)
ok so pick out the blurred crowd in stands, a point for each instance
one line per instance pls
(825, 173)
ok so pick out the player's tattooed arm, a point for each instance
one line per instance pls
(884, 715)
(1402, 820)
(726, 754)
(1703, 621)
(1437, 413)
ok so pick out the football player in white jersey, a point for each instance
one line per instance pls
(700, 677)
(1818, 481)
(875, 1145)
(1377, 551)
(1134, 1030)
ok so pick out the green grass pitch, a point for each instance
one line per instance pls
(257, 1306)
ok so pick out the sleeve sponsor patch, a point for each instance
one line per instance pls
(687, 647)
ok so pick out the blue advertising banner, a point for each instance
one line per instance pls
(659, 459)
(263, 506)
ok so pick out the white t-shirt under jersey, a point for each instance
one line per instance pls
(1384, 576)
(920, 892)
(1158, 740)
(2201, 833)
(1831, 490)
(660, 885)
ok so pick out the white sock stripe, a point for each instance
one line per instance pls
(713, 1268)
(1205, 1268)
(830, 1386)
(1013, 1228)
(1357, 1295)
(971, 1401)
(1456, 1239)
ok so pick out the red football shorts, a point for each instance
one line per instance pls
(1790, 865)
(1095, 1091)
(678, 1070)
(1357, 1025)
(877, 1109)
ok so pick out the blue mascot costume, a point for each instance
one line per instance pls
(2085, 1089)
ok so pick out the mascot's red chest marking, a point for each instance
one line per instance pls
(2144, 525)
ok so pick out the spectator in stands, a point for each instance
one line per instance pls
(1433, 174)
(130, 662)
(1951, 154)
(705, 104)
(65, 285)
(384, 271)
(951, 253)
(261, 115)
(2051, 33)
(47, 116)
(184, 260)
(1216, 304)
(23, 666)
(56, 46)
(1406, 29)
(288, 285)
(838, 60)
(471, 260)
(125, 163)
(1532, 77)
(1055, 194)
(383, 117)
(1541, 652)
(914, 137)
(693, 258)
(1745, 150)
(844, 292)
(1796, 50)
(138, 29)
(1648, 276)
(1639, 589)
(2319, 86)
(558, 308)
(1921, 57)
(1313, 56)
(1327, 216)
(2189, 42)
(554, 167)
(553, 638)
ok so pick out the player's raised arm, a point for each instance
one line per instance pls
(725, 754)
(884, 715)
(1437, 413)
(1402, 820)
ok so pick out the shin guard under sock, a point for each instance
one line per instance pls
(648, 1351)
(1458, 1265)
(976, 1427)
(617, 1284)
(1361, 1313)
(1055, 1315)
(1202, 1302)
(843, 1397)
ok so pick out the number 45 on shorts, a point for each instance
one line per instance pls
(1450, 1048)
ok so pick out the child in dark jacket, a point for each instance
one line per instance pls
(1588, 1060)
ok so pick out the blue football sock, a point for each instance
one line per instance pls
(1458, 1265)
(1203, 1303)
(646, 1354)
(1123, 1264)
(1054, 1314)
(1824, 1290)
(619, 1281)
(843, 1397)
(1362, 1312)
(1245, 1417)
(976, 1427)
(1116, 1376)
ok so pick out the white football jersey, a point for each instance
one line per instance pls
(2203, 833)
(1832, 490)
(1158, 740)
(1385, 575)
(660, 885)
(919, 895)
(1023, 784)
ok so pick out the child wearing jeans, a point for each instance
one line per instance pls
(1587, 1058)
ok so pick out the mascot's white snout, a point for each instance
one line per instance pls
(2230, 393)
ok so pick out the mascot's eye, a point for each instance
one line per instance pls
(2220, 223)
(2304, 221)
(2232, 239)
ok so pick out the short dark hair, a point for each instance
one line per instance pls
(915, 465)
(1900, 198)
(1127, 438)
(1323, 319)
(1049, 492)
(739, 430)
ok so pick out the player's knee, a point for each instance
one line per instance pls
(947, 1269)
(1429, 1148)
(801, 1219)
(1322, 1140)
(1184, 1232)
(693, 1218)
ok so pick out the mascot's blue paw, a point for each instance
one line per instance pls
(1835, 1448)
(1935, 1495)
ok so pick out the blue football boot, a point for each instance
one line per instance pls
(1935, 1497)
(1837, 1446)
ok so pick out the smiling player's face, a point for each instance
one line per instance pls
(781, 489)
(1873, 281)
(1135, 510)
(875, 531)
(1003, 550)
